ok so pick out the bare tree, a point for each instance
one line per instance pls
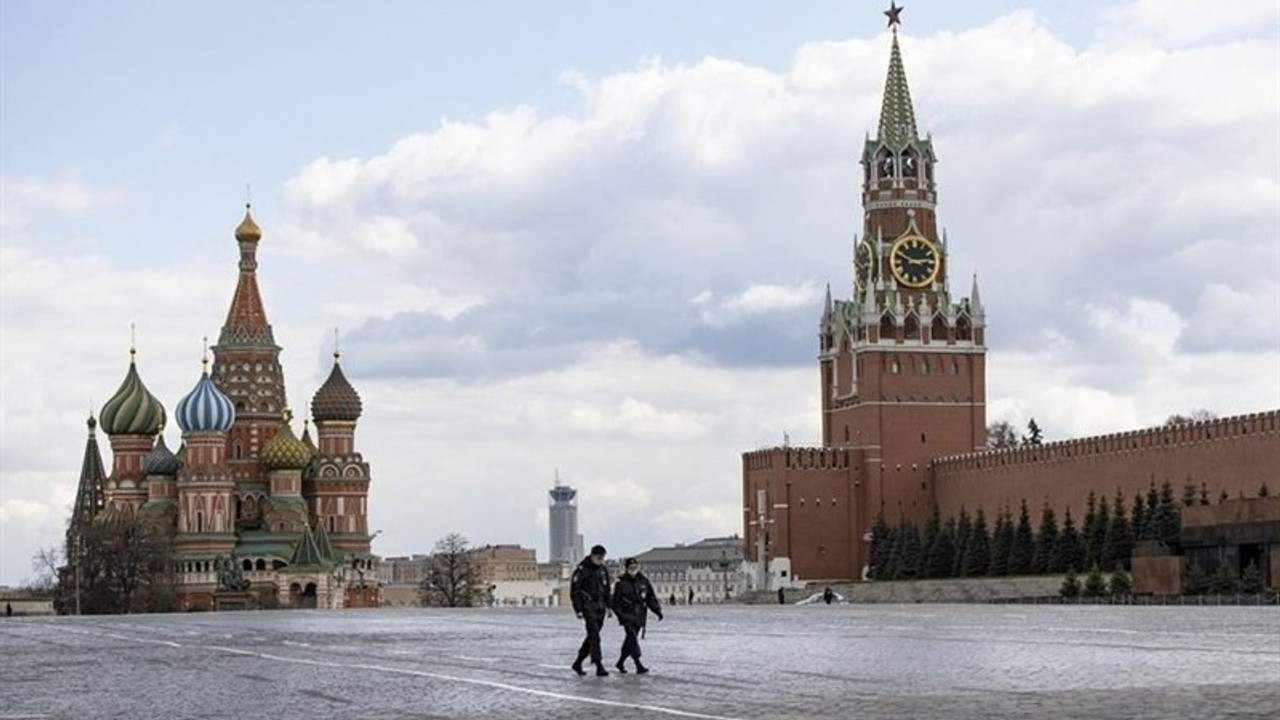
(45, 564)
(123, 565)
(1000, 435)
(454, 579)
(1194, 416)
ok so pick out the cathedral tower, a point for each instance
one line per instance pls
(337, 483)
(206, 510)
(247, 370)
(131, 419)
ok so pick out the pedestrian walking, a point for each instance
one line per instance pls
(589, 590)
(8, 610)
(633, 598)
(690, 596)
(782, 597)
(828, 595)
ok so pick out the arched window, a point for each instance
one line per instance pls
(911, 328)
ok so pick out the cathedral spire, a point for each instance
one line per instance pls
(91, 493)
(897, 118)
(247, 324)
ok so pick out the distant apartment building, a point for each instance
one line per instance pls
(714, 570)
(566, 543)
(515, 577)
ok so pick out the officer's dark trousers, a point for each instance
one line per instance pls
(591, 644)
(631, 643)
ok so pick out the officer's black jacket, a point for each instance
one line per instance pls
(633, 598)
(589, 588)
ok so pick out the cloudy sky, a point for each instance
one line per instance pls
(593, 238)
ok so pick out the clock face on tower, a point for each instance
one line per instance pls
(862, 265)
(914, 261)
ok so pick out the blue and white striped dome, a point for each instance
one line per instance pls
(205, 409)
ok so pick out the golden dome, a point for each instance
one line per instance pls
(248, 230)
(285, 451)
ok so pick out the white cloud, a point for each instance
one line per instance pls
(1190, 21)
(26, 199)
(755, 300)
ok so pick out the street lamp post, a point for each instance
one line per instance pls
(724, 573)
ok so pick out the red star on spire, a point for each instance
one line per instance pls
(892, 13)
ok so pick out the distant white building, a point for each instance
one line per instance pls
(713, 569)
(566, 543)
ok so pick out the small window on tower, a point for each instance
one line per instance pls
(893, 367)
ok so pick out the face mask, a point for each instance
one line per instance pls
(633, 569)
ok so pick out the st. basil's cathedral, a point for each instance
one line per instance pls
(253, 510)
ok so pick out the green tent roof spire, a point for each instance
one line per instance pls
(897, 118)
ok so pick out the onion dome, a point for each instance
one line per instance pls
(336, 400)
(133, 410)
(161, 460)
(284, 451)
(110, 516)
(248, 230)
(205, 408)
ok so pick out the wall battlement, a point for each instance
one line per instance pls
(1146, 439)
(797, 458)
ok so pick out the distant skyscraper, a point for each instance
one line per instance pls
(566, 543)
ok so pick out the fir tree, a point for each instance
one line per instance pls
(1152, 529)
(1023, 551)
(1168, 516)
(964, 530)
(932, 528)
(1204, 494)
(1120, 585)
(1138, 518)
(1251, 581)
(1001, 543)
(1070, 585)
(881, 547)
(1225, 581)
(944, 551)
(1098, 535)
(1223, 496)
(1188, 492)
(1047, 542)
(1196, 582)
(912, 554)
(1069, 554)
(977, 556)
(1094, 584)
(1119, 536)
(1034, 434)
(893, 567)
(1088, 527)
(1264, 491)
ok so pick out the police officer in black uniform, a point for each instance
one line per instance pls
(633, 598)
(589, 591)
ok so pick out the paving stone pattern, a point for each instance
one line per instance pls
(716, 663)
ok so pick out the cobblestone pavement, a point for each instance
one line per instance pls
(767, 662)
